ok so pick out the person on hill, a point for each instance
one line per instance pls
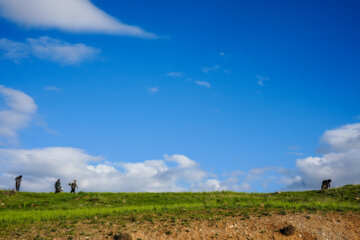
(73, 186)
(58, 187)
(18, 182)
(325, 184)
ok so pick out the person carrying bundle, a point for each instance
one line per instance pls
(73, 186)
(58, 187)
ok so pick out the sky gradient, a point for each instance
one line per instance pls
(179, 95)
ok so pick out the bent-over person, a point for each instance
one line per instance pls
(325, 184)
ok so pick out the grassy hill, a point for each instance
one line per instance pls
(26, 208)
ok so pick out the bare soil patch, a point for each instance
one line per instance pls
(319, 226)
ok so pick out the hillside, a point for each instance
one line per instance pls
(186, 215)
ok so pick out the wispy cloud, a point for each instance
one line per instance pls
(14, 50)
(52, 88)
(261, 80)
(79, 16)
(206, 69)
(19, 111)
(294, 150)
(295, 153)
(47, 48)
(294, 147)
(224, 56)
(153, 90)
(175, 74)
(203, 83)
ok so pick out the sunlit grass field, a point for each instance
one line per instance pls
(27, 207)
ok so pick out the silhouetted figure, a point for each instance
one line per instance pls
(325, 184)
(73, 186)
(58, 187)
(18, 182)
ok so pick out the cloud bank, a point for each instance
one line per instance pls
(16, 113)
(41, 167)
(47, 48)
(78, 16)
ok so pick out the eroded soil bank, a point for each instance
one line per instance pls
(307, 226)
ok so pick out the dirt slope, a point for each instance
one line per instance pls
(330, 226)
(319, 226)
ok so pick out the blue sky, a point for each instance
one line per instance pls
(246, 90)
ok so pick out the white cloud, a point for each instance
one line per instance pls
(222, 54)
(60, 51)
(257, 179)
(14, 50)
(153, 90)
(181, 160)
(210, 185)
(210, 69)
(79, 16)
(19, 109)
(261, 80)
(203, 83)
(341, 162)
(175, 74)
(290, 181)
(41, 167)
(49, 49)
(343, 138)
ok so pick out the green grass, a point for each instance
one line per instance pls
(26, 207)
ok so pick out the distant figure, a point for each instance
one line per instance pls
(325, 184)
(18, 182)
(58, 187)
(73, 186)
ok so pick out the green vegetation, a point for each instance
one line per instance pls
(26, 207)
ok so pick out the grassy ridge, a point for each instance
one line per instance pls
(26, 207)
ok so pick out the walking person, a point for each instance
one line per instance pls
(18, 182)
(73, 185)
(58, 187)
